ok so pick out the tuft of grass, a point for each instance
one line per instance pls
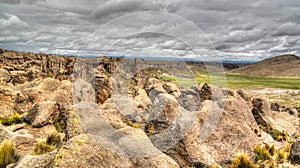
(133, 124)
(47, 145)
(284, 153)
(242, 160)
(53, 139)
(269, 156)
(13, 119)
(42, 147)
(263, 153)
(8, 153)
(276, 134)
(60, 123)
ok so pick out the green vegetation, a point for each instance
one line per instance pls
(168, 78)
(276, 134)
(284, 153)
(247, 81)
(13, 119)
(47, 145)
(60, 123)
(263, 153)
(242, 160)
(53, 139)
(131, 123)
(42, 147)
(265, 156)
(8, 153)
(269, 156)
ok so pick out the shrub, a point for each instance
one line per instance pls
(242, 160)
(8, 153)
(13, 119)
(42, 147)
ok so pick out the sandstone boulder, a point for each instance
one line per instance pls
(172, 89)
(82, 151)
(43, 113)
(44, 160)
(141, 101)
(220, 130)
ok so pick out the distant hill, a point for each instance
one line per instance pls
(279, 66)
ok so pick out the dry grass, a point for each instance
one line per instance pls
(47, 145)
(242, 160)
(8, 153)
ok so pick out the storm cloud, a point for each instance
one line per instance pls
(230, 29)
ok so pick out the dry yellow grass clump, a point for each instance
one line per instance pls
(8, 153)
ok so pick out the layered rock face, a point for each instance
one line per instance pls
(112, 114)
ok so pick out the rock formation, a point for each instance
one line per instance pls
(112, 115)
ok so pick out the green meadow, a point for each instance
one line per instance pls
(240, 81)
(247, 81)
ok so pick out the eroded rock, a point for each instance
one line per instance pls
(295, 152)
(43, 113)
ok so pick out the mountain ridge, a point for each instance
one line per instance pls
(279, 66)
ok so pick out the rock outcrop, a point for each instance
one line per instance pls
(114, 112)
(295, 152)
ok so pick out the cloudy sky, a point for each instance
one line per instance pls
(205, 29)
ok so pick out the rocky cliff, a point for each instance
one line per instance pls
(115, 113)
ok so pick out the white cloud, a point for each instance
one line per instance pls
(11, 21)
(251, 29)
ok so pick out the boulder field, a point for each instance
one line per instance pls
(134, 118)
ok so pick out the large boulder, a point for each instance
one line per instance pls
(221, 129)
(141, 101)
(172, 89)
(83, 91)
(152, 83)
(7, 101)
(280, 121)
(73, 124)
(295, 152)
(43, 90)
(210, 92)
(261, 111)
(164, 112)
(43, 113)
(83, 151)
(190, 99)
(44, 160)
